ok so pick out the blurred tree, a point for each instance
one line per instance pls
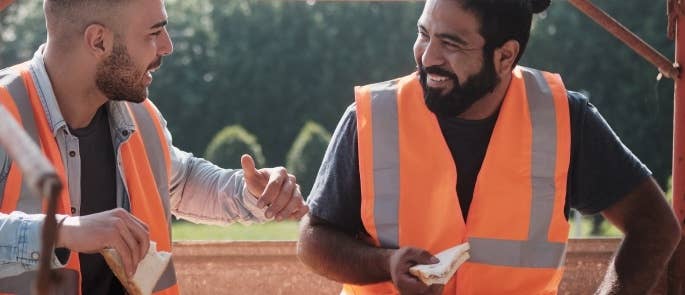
(304, 157)
(669, 191)
(22, 29)
(271, 66)
(230, 144)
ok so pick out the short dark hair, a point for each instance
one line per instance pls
(69, 17)
(504, 20)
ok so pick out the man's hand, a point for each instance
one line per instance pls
(115, 228)
(275, 189)
(400, 262)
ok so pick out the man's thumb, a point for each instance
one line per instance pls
(248, 166)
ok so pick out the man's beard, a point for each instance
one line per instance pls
(462, 96)
(118, 78)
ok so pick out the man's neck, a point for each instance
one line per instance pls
(488, 105)
(74, 87)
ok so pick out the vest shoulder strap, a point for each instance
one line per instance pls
(14, 96)
(151, 129)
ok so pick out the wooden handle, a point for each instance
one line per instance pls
(25, 153)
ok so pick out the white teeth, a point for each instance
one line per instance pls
(437, 78)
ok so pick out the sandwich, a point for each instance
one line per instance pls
(147, 273)
(441, 272)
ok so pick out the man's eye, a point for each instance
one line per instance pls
(157, 33)
(453, 46)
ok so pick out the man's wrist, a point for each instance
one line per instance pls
(61, 233)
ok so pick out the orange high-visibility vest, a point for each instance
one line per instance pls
(516, 225)
(146, 168)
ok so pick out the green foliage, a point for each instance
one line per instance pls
(669, 190)
(271, 66)
(232, 142)
(22, 29)
(281, 231)
(304, 157)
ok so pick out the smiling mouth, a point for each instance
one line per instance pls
(438, 81)
(437, 78)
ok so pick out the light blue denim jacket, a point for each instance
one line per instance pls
(199, 191)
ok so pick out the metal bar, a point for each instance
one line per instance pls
(676, 272)
(42, 179)
(629, 38)
(5, 3)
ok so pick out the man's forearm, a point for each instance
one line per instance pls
(202, 192)
(640, 261)
(340, 257)
(638, 265)
(651, 235)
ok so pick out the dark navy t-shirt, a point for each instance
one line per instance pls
(602, 170)
(98, 194)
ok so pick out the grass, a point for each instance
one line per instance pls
(584, 231)
(287, 230)
(184, 231)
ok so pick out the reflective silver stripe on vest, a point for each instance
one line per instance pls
(386, 168)
(168, 277)
(14, 84)
(23, 283)
(155, 153)
(537, 251)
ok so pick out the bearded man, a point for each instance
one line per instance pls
(474, 148)
(83, 99)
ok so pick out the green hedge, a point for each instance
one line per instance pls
(306, 153)
(232, 142)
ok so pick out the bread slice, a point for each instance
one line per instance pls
(441, 272)
(147, 274)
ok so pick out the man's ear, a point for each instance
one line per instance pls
(505, 56)
(98, 40)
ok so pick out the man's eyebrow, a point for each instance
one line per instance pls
(159, 24)
(453, 38)
(421, 27)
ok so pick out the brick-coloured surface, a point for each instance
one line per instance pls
(272, 268)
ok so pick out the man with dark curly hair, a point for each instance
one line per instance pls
(84, 98)
(473, 148)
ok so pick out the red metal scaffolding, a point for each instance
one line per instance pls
(676, 272)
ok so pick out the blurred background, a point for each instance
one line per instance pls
(272, 78)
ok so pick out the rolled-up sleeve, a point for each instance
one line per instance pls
(202, 192)
(20, 243)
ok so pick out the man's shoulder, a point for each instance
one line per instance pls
(578, 104)
(577, 98)
(351, 110)
(9, 76)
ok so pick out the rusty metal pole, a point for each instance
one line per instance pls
(5, 3)
(676, 277)
(41, 178)
(629, 38)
